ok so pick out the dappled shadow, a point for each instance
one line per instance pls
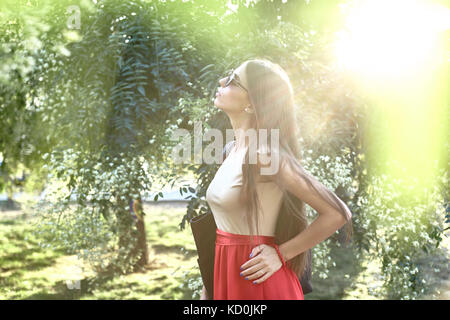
(112, 289)
(69, 290)
(335, 286)
(24, 260)
(434, 269)
(161, 248)
(8, 222)
(30, 272)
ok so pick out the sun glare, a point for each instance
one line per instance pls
(397, 52)
(385, 39)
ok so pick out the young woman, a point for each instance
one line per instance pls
(266, 265)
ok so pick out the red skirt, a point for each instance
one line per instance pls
(233, 250)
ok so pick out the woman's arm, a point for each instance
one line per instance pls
(319, 230)
(328, 222)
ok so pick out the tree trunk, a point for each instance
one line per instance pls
(141, 249)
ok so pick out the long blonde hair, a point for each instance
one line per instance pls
(271, 95)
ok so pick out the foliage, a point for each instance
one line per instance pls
(90, 230)
(193, 282)
(334, 173)
(401, 221)
(28, 47)
(120, 91)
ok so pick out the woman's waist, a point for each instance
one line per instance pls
(228, 238)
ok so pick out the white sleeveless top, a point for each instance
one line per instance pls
(223, 192)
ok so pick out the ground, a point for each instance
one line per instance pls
(29, 272)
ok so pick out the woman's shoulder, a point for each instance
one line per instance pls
(226, 150)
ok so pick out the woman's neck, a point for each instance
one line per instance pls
(240, 126)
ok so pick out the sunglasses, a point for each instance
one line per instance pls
(233, 77)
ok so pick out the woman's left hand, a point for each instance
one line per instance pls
(265, 263)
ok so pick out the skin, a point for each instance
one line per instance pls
(233, 100)
(264, 260)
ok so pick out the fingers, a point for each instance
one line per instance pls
(264, 278)
(251, 265)
(261, 266)
(256, 250)
(252, 262)
(258, 274)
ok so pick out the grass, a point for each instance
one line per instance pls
(29, 272)
(22, 260)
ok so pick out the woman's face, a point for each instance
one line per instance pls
(233, 98)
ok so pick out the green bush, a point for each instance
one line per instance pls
(93, 226)
(401, 221)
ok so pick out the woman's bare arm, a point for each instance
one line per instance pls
(328, 222)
